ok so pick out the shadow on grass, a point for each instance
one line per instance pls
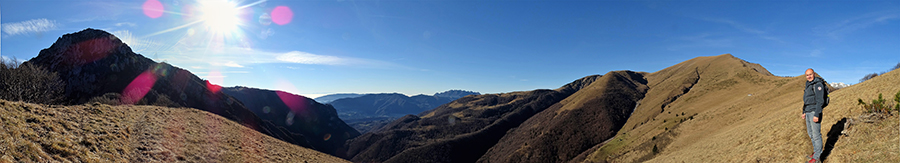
(833, 135)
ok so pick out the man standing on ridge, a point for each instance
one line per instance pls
(813, 99)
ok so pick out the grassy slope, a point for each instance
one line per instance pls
(770, 129)
(741, 116)
(576, 123)
(91, 133)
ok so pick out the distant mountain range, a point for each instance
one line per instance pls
(329, 98)
(317, 122)
(392, 104)
(838, 85)
(366, 112)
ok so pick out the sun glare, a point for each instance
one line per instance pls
(220, 16)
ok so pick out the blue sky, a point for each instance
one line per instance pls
(423, 47)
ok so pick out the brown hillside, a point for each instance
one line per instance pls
(95, 64)
(722, 109)
(460, 131)
(318, 123)
(103, 133)
(575, 124)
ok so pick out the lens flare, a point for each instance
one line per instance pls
(153, 9)
(282, 15)
(289, 120)
(138, 87)
(91, 50)
(267, 109)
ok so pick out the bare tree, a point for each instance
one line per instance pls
(29, 83)
(868, 76)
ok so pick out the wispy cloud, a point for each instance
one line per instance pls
(29, 26)
(704, 40)
(226, 64)
(240, 57)
(309, 58)
(735, 25)
(743, 28)
(816, 53)
(844, 27)
(125, 24)
(221, 72)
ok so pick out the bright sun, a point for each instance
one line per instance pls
(220, 16)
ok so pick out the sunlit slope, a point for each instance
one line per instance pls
(460, 131)
(717, 109)
(582, 120)
(773, 131)
(103, 133)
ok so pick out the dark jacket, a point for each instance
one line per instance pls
(814, 96)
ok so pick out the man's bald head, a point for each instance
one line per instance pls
(810, 74)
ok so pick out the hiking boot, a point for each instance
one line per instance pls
(812, 160)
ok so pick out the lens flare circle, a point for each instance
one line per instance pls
(153, 8)
(282, 15)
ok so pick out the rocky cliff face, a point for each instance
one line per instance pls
(94, 63)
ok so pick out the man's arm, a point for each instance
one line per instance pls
(820, 98)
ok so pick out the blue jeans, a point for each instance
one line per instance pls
(814, 129)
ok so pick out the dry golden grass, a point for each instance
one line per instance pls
(741, 115)
(103, 133)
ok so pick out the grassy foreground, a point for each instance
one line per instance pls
(104, 133)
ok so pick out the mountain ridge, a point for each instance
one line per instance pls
(96, 64)
(653, 100)
(460, 131)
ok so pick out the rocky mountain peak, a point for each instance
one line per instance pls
(91, 61)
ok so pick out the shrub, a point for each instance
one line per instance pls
(876, 106)
(164, 100)
(897, 99)
(655, 150)
(29, 83)
(111, 98)
(867, 77)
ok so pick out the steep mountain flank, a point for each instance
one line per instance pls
(460, 131)
(720, 109)
(584, 119)
(680, 94)
(95, 64)
(103, 133)
(318, 122)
